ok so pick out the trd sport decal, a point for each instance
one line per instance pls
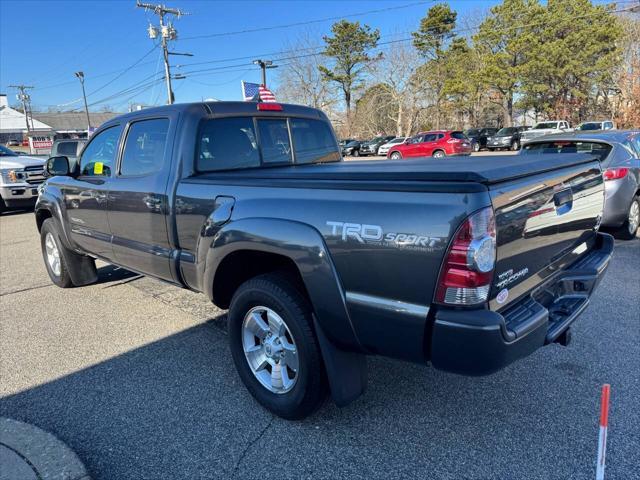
(373, 234)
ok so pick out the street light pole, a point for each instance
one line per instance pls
(80, 76)
(264, 64)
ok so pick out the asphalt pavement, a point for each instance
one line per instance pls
(136, 377)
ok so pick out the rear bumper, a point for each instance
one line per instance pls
(481, 342)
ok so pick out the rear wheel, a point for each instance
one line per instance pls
(476, 147)
(396, 155)
(274, 347)
(515, 145)
(3, 207)
(439, 154)
(356, 153)
(630, 227)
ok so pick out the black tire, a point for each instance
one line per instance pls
(63, 279)
(356, 153)
(515, 146)
(625, 231)
(439, 154)
(3, 207)
(476, 147)
(396, 156)
(278, 293)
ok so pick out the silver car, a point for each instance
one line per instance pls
(20, 176)
(619, 153)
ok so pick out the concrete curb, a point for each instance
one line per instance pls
(27, 453)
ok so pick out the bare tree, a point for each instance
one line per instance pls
(300, 81)
(408, 92)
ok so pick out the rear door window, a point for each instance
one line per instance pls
(144, 147)
(429, 137)
(274, 141)
(313, 141)
(226, 144)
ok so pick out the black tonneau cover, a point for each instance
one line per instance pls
(480, 169)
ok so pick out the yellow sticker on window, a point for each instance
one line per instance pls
(98, 167)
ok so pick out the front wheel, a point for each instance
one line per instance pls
(476, 147)
(438, 154)
(356, 153)
(396, 156)
(274, 347)
(53, 257)
(515, 146)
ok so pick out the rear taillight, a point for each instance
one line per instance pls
(467, 271)
(615, 173)
(454, 140)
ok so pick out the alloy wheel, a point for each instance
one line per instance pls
(633, 221)
(53, 254)
(270, 350)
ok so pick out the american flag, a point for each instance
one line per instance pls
(266, 95)
(254, 91)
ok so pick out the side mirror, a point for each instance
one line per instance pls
(58, 166)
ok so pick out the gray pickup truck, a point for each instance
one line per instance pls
(464, 263)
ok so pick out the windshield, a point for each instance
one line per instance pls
(601, 150)
(352, 144)
(542, 125)
(5, 152)
(506, 131)
(397, 140)
(590, 126)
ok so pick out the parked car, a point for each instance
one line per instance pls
(432, 144)
(251, 204)
(13, 143)
(619, 153)
(20, 176)
(544, 128)
(506, 138)
(478, 137)
(69, 147)
(344, 141)
(352, 149)
(384, 148)
(371, 147)
(603, 125)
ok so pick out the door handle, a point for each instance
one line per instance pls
(152, 202)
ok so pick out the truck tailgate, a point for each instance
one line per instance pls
(544, 222)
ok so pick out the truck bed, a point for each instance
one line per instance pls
(486, 170)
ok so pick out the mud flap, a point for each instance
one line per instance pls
(346, 371)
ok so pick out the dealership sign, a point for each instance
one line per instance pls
(40, 144)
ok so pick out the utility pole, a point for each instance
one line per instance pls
(25, 98)
(80, 76)
(166, 32)
(264, 64)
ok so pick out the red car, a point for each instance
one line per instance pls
(438, 143)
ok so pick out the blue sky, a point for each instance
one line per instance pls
(43, 42)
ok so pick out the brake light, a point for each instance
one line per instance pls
(467, 271)
(269, 106)
(454, 140)
(615, 173)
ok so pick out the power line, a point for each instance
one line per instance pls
(309, 22)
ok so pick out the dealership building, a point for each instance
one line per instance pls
(53, 125)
